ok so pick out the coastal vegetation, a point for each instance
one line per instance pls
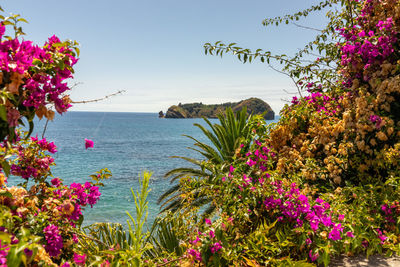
(233, 131)
(322, 182)
(198, 110)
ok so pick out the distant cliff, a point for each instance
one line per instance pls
(198, 110)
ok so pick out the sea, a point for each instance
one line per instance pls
(125, 143)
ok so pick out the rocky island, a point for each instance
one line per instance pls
(199, 110)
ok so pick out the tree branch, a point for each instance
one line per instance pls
(289, 93)
(306, 27)
(97, 100)
(45, 128)
(282, 72)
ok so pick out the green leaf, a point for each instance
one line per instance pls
(6, 22)
(23, 20)
(3, 112)
(5, 237)
(6, 167)
(5, 193)
(78, 51)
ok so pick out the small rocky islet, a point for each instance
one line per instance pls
(199, 110)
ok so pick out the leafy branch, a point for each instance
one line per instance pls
(316, 63)
(303, 13)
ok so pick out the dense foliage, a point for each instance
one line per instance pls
(323, 181)
(39, 218)
(199, 110)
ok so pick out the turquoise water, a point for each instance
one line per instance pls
(125, 143)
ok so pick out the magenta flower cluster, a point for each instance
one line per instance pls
(54, 241)
(3, 255)
(196, 254)
(88, 143)
(391, 212)
(381, 236)
(313, 256)
(27, 165)
(208, 238)
(377, 120)
(85, 194)
(320, 102)
(25, 170)
(366, 45)
(215, 247)
(30, 68)
(293, 207)
(260, 157)
(45, 145)
(80, 260)
(16, 56)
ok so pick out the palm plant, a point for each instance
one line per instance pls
(166, 237)
(224, 138)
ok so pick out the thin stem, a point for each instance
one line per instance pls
(351, 13)
(45, 128)
(306, 27)
(99, 99)
(290, 76)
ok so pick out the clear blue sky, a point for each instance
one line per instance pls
(154, 49)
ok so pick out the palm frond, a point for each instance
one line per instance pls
(165, 237)
(172, 190)
(209, 212)
(175, 205)
(191, 160)
(224, 138)
(185, 172)
(210, 152)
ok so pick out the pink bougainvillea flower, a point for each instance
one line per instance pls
(195, 253)
(212, 234)
(56, 182)
(208, 221)
(215, 247)
(3, 254)
(105, 263)
(75, 238)
(350, 234)
(335, 233)
(79, 259)
(88, 143)
(53, 239)
(313, 256)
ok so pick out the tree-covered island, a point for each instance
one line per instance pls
(198, 110)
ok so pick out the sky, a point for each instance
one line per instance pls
(153, 49)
